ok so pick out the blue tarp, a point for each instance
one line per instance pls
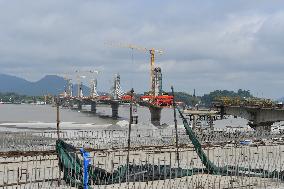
(86, 162)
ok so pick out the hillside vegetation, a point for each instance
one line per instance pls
(207, 99)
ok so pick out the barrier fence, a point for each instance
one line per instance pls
(157, 167)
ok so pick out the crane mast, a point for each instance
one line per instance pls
(152, 70)
(152, 62)
(93, 82)
(68, 88)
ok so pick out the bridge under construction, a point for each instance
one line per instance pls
(188, 155)
(155, 99)
(261, 113)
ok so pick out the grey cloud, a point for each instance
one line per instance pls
(208, 44)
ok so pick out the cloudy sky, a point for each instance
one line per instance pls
(207, 44)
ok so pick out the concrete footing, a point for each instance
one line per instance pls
(114, 109)
(155, 115)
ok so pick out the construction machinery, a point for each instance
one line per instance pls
(93, 84)
(68, 92)
(116, 92)
(155, 96)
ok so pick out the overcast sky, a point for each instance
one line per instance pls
(208, 44)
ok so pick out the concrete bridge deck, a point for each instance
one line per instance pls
(259, 117)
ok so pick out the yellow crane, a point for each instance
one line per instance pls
(152, 52)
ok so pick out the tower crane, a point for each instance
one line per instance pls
(93, 84)
(79, 87)
(152, 53)
(155, 96)
(69, 87)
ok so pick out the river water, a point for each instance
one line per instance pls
(26, 116)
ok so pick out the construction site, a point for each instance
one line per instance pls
(141, 158)
(193, 154)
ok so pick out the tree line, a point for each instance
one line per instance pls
(207, 99)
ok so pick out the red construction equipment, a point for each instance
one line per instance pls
(161, 100)
(126, 98)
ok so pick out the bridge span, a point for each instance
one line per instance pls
(260, 118)
(261, 113)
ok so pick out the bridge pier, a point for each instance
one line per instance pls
(79, 103)
(155, 115)
(93, 106)
(259, 118)
(114, 108)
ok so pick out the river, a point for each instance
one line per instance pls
(27, 116)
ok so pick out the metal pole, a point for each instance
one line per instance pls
(175, 120)
(57, 127)
(57, 117)
(129, 131)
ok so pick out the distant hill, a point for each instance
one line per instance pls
(49, 84)
(207, 99)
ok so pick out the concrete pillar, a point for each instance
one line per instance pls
(194, 122)
(93, 106)
(114, 109)
(155, 115)
(79, 105)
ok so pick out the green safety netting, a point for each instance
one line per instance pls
(72, 167)
(226, 170)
